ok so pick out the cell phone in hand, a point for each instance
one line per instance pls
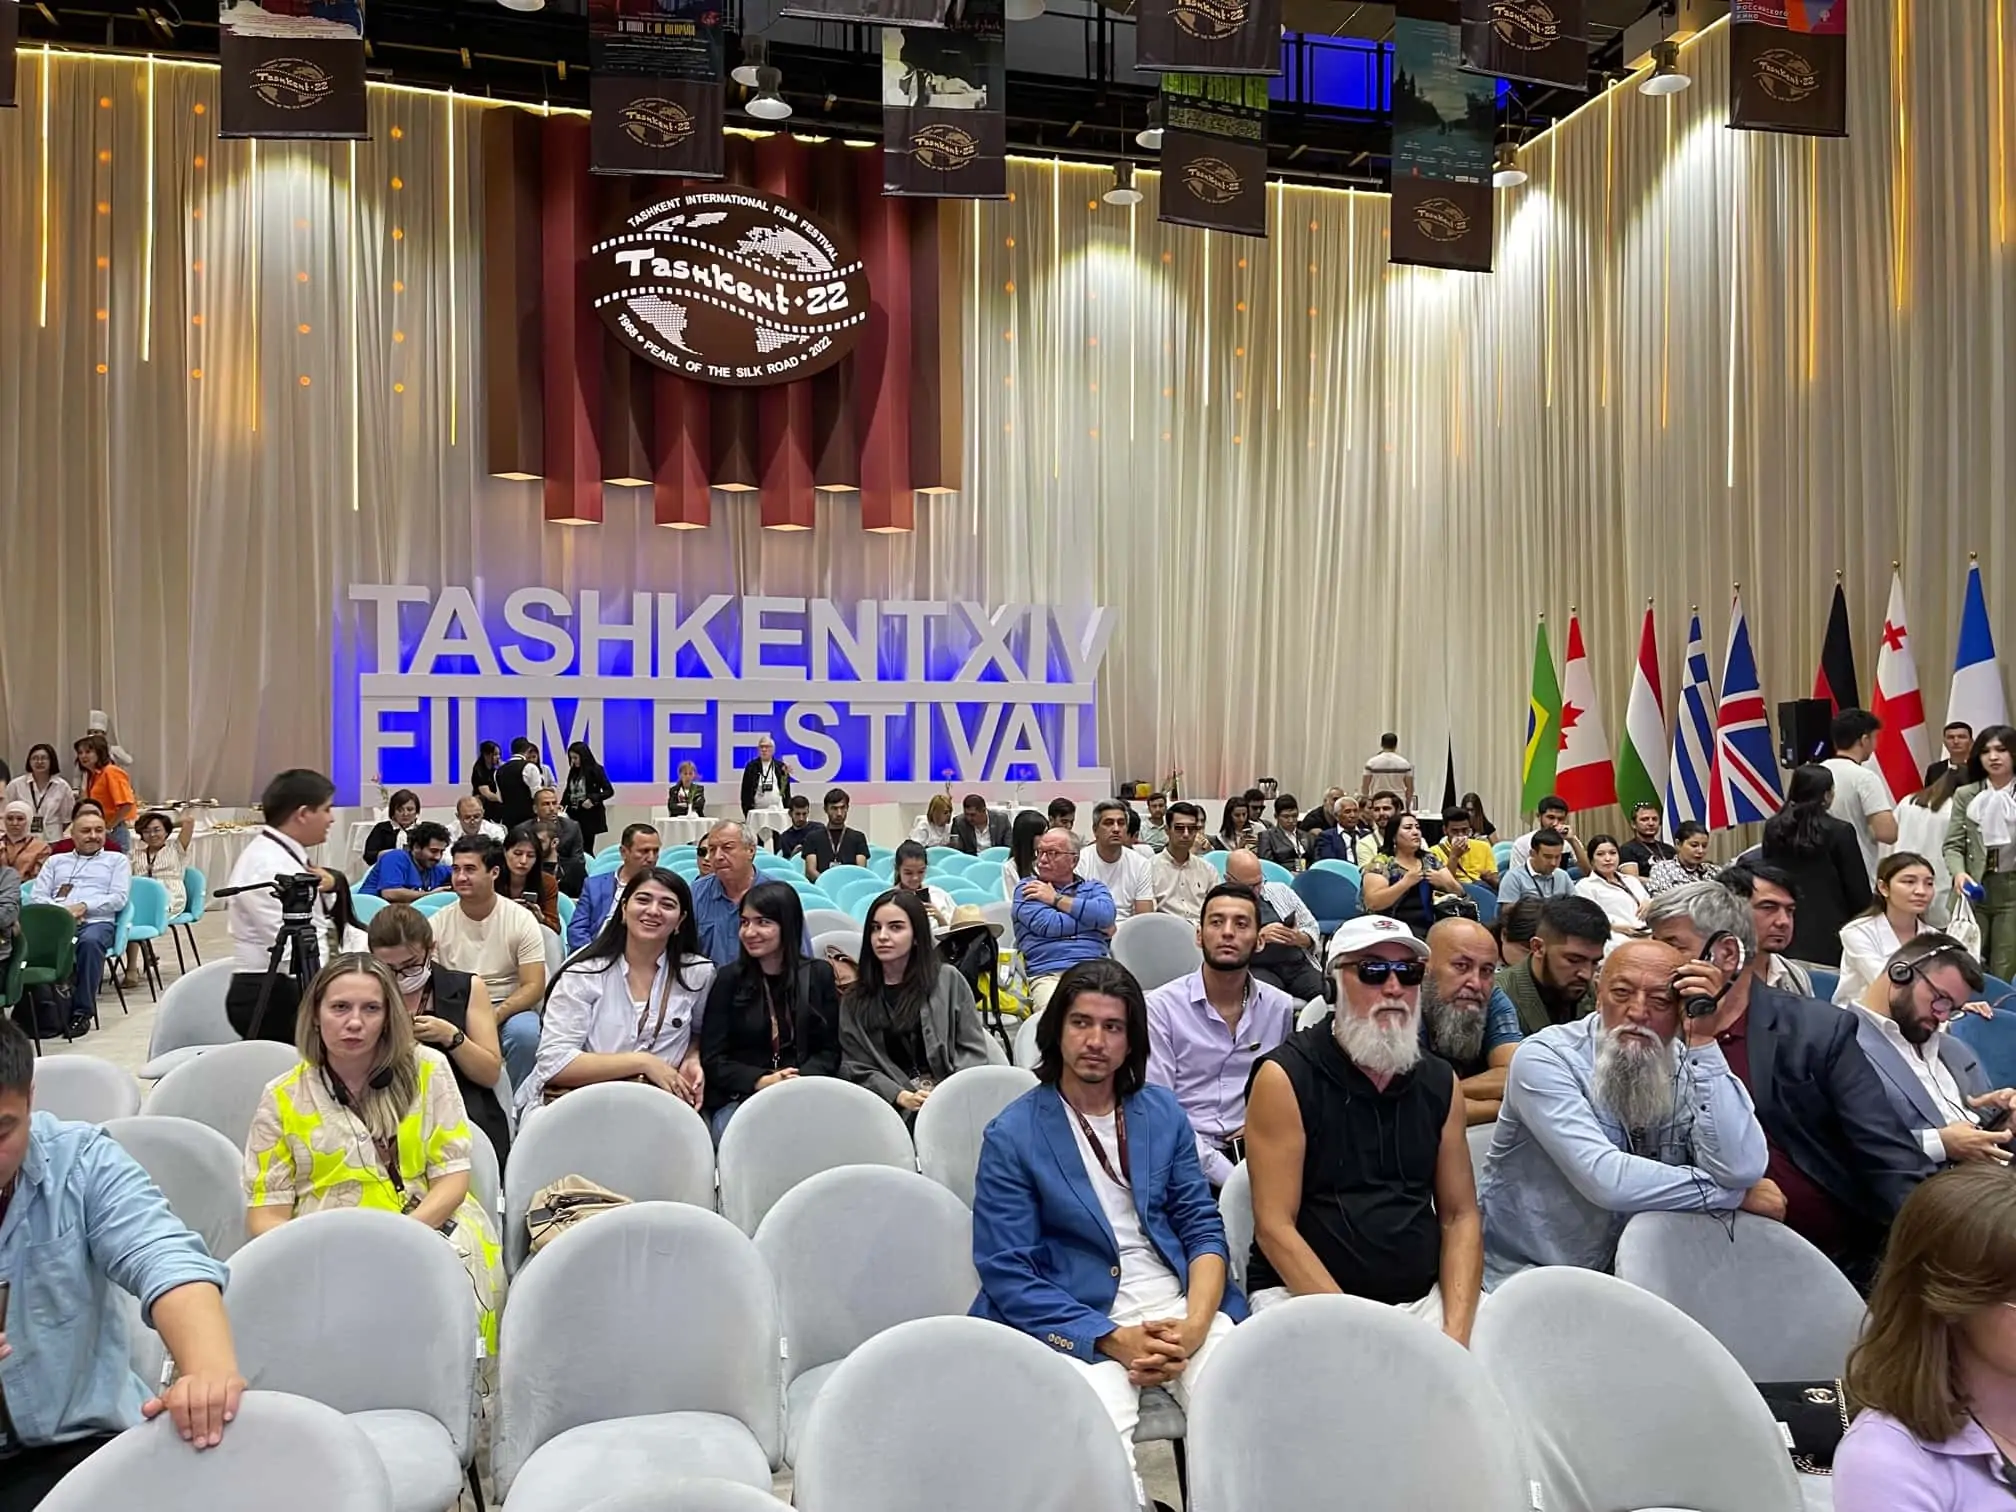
(5, 1288)
(1995, 1120)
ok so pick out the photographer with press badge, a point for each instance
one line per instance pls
(278, 945)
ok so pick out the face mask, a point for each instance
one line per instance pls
(413, 979)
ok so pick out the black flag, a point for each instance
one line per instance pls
(1835, 680)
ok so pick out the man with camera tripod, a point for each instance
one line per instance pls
(299, 806)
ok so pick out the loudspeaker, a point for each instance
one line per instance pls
(1805, 731)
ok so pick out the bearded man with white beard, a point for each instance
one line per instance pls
(1630, 1110)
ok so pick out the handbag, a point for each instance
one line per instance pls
(559, 1205)
(1812, 1416)
(1963, 926)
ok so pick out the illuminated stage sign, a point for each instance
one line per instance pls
(876, 694)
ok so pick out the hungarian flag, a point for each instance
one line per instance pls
(1644, 725)
(1543, 726)
(1586, 779)
(1903, 749)
(1835, 681)
(1743, 787)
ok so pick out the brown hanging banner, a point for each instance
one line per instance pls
(10, 42)
(1443, 123)
(292, 69)
(1533, 41)
(1209, 36)
(888, 12)
(944, 107)
(1788, 66)
(655, 90)
(1214, 153)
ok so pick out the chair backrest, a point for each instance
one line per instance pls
(323, 1459)
(1994, 1040)
(1027, 1055)
(363, 1310)
(1274, 871)
(195, 893)
(433, 903)
(199, 1171)
(1331, 896)
(833, 921)
(1774, 1301)
(798, 1128)
(1486, 901)
(1021, 1424)
(950, 1124)
(708, 1494)
(1566, 1345)
(1826, 981)
(84, 1089)
(860, 1249)
(995, 853)
(486, 1182)
(147, 905)
(833, 878)
(1235, 1211)
(1002, 913)
(192, 1011)
(48, 937)
(658, 1307)
(566, 906)
(1157, 948)
(628, 1137)
(1321, 1392)
(848, 940)
(366, 906)
(222, 1086)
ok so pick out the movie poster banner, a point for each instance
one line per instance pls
(1444, 121)
(1533, 41)
(10, 42)
(1788, 66)
(1214, 152)
(1209, 36)
(889, 12)
(292, 69)
(944, 107)
(655, 89)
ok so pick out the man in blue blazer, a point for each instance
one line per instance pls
(1935, 1083)
(599, 893)
(1093, 1227)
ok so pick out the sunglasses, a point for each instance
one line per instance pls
(1374, 972)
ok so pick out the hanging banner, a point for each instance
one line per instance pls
(944, 107)
(1534, 41)
(1214, 153)
(292, 69)
(1788, 66)
(10, 42)
(1209, 36)
(655, 89)
(893, 12)
(1443, 123)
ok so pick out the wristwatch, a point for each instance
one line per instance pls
(457, 1042)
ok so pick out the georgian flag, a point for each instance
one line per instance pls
(1903, 749)
(1744, 787)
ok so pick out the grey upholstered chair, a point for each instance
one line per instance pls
(222, 1086)
(1157, 948)
(708, 1495)
(799, 1128)
(952, 1121)
(1235, 1210)
(199, 1171)
(84, 1089)
(190, 1019)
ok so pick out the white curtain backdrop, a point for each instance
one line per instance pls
(1327, 496)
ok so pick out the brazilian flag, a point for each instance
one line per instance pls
(1543, 726)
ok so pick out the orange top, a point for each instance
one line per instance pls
(112, 790)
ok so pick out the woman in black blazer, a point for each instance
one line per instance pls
(1821, 855)
(390, 834)
(585, 794)
(772, 1014)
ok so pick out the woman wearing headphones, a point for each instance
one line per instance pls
(369, 1118)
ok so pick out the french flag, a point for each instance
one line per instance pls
(1744, 787)
(1976, 695)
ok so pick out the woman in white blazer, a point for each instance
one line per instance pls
(1905, 887)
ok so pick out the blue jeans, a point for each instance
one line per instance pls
(94, 940)
(519, 1037)
(717, 1121)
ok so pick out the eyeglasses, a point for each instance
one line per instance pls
(1373, 972)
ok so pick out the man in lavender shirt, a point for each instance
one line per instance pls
(1207, 1030)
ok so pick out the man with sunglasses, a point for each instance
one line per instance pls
(1179, 879)
(1356, 1144)
(1935, 1083)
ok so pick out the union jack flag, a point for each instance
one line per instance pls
(1744, 787)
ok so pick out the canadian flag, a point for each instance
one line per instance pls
(1903, 749)
(1584, 778)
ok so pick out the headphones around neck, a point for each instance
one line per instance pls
(378, 1083)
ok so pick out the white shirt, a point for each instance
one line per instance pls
(1389, 764)
(1929, 1067)
(1866, 947)
(254, 917)
(52, 803)
(1859, 791)
(1126, 876)
(1145, 1282)
(1180, 890)
(927, 834)
(1620, 899)
(591, 1012)
(767, 792)
(489, 829)
(493, 948)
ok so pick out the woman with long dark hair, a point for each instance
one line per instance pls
(483, 780)
(628, 1005)
(773, 1014)
(1021, 863)
(1980, 847)
(1403, 879)
(585, 794)
(44, 789)
(1481, 827)
(1905, 888)
(527, 878)
(909, 1022)
(1824, 860)
(1236, 829)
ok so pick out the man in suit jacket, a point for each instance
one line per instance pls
(764, 777)
(1935, 1083)
(1093, 1227)
(1841, 1159)
(978, 828)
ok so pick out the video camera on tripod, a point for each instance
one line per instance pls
(299, 926)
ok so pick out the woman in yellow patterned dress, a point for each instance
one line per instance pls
(370, 1118)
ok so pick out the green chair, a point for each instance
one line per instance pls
(49, 956)
(11, 989)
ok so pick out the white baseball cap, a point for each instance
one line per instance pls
(1367, 930)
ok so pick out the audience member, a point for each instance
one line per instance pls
(81, 807)
(569, 860)
(637, 853)
(1552, 814)
(1644, 850)
(1688, 864)
(1207, 1030)
(527, 880)
(791, 840)
(483, 785)
(107, 785)
(1861, 796)
(1060, 917)
(1904, 890)
(1980, 848)
(1543, 874)
(833, 844)
(1934, 1371)
(908, 870)
(1819, 853)
(1841, 1158)
(1155, 828)
(1340, 839)
(22, 850)
(1383, 810)
(773, 1013)
(766, 781)
(298, 806)
(1120, 868)
(1630, 1110)
(1128, 1282)
(1387, 768)
(1466, 1018)
(1236, 829)
(934, 825)
(1283, 842)
(686, 797)
(1553, 984)
(403, 810)
(1403, 881)
(1620, 895)
(1515, 928)
(92, 883)
(517, 780)
(1029, 827)
(48, 795)
(79, 1218)
(629, 1006)
(728, 871)
(160, 845)
(370, 1118)
(451, 1013)
(1462, 854)
(586, 794)
(908, 1022)
(502, 944)
(1481, 826)
(1774, 914)
(11, 899)
(471, 823)
(404, 875)
(1357, 1148)
(1324, 815)
(978, 827)
(1289, 933)
(1064, 815)
(1923, 820)
(1959, 741)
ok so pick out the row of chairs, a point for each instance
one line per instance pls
(44, 957)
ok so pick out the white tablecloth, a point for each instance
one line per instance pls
(214, 852)
(687, 831)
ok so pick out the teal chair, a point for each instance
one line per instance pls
(141, 922)
(945, 855)
(366, 906)
(995, 853)
(880, 855)
(433, 903)
(1274, 871)
(566, 914)
(48, 951)
(1502, 851)
(1343, 868)
(1218, 860)
(605, 863)
(835, 877)
(772, 864)
(196, 886)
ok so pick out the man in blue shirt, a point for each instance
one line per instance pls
(79, 1217)
(1061, 918)
(727, 872)
(1465, 1018)
(92, 882)
(401, 876)
(599, 893)
(1541, 875)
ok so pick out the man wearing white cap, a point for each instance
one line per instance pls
(21, 849)
(1356, 1144)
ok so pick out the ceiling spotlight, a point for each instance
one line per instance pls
(523, 5)
(1506, 172)
(1023, 10)
(1666, 75)
(1123, 191)
(769, 105)
(755, 53)
(1149, 137)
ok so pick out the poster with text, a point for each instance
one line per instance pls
(944, 115)
(888, 12)
(1788, 66)
(655, 87)
(1214, 153)
(1444, 121)
(1209, 36)
(292, 69)
(1534, 41)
